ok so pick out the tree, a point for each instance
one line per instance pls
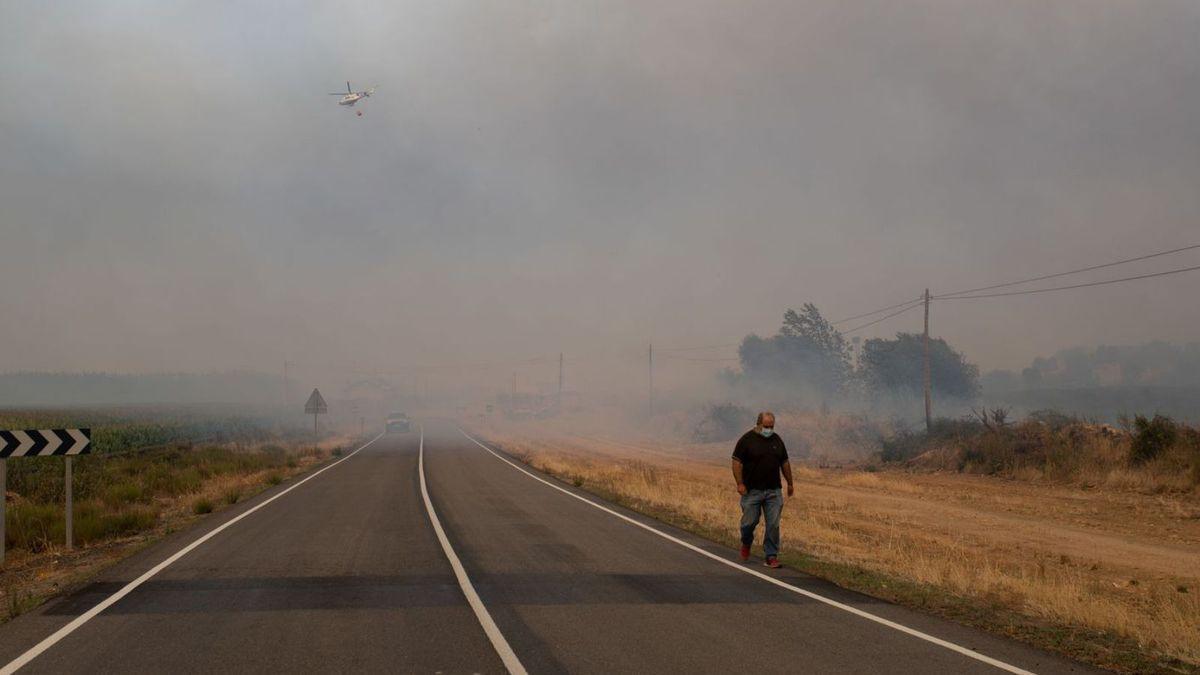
(810, 325)
(896, 367)
(808, 353)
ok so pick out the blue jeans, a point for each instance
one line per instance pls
(770, 504)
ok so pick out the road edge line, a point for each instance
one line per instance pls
(965, 651)
(48, 642)
(503, 649)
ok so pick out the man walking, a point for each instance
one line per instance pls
(758, 459)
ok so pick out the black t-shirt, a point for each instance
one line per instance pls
(762, 459)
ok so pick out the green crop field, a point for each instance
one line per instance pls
(143, 459)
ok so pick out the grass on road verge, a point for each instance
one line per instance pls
(934, 546)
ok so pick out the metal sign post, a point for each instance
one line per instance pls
(42, 443)
(315, 406)
(3, 502)
(70, 511)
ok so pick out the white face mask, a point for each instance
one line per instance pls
(767, 432)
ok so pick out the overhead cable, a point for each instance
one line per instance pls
(1065, 288)
(1063, 274)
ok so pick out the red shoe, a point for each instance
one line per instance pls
(745, 553)
(773, 563)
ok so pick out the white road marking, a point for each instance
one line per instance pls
(66, 630)
(507, 655)
(965, 651)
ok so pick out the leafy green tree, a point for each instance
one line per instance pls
(896, 367)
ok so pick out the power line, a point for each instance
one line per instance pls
(696, 349)
(1064, 288)
(1063, 274)
(863, 316)
(914, 305)
(963, 295)
(410, 368)
(901, 308)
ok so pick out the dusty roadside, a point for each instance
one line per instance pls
(1110, 577)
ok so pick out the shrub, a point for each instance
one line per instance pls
(1053, 419)
(906, 444)
(274, 479)
(232, 495)
(901, 447)
(93, 521)
(170, 480)
(124, 493)
(1151, 437)
(33, 527)
(723, 422)
(202, 506)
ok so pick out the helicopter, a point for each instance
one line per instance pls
(351, 97)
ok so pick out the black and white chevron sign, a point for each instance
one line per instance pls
(41, 442)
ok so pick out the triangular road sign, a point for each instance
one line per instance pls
(316, 405)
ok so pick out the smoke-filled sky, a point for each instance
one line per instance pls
(179, 193)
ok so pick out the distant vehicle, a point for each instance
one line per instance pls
(351, 97)
(398, 423)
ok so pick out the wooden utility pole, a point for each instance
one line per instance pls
(651, 380)
(560, 380)
(285, 384)
(928, 376)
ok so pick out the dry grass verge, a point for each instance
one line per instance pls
(1106, 576)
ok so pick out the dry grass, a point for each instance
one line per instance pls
(1103, 563)
(1150, 456)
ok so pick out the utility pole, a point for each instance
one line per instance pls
(286, 398)
(560, 380)
(512, 400)
(651, 380)
(928, 377)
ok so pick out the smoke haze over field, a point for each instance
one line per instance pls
(178, 193)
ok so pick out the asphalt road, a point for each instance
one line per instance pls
(345, 572)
